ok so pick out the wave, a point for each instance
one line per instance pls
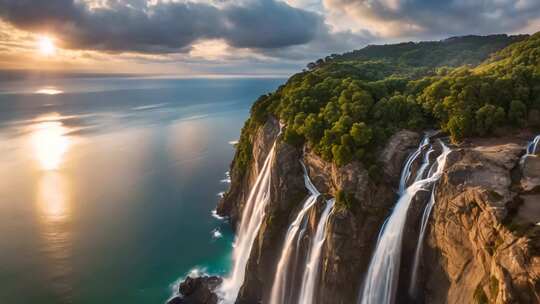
(227, 179)
(216, 234)
(217, 216)
(149, 107)
(194, 272)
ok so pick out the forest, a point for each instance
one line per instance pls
(345, 107)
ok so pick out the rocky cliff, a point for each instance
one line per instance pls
(482, 243)
(484, 239)
(351, 231)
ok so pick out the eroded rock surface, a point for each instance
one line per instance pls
(530, 180)
(476, 253)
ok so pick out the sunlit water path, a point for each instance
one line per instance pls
(100, 185)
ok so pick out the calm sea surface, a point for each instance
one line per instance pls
(107, 185)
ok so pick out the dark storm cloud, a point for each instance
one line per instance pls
(271, 24)
(166, 27)
(442, 17)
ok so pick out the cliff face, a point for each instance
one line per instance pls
(233, 202)
(287, 192)
(483, 239)
(482, 243)
(351, 233)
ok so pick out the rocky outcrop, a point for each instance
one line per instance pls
(395, 152)
(199, 290)
(530, 166)
(479, 249)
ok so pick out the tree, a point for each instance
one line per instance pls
(517, 112)
(457, 127)
(313, 128)
(487, 118)
(361, 133)
(342, 154)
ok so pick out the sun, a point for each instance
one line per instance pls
(46, 46)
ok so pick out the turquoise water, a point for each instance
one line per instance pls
(107, 184)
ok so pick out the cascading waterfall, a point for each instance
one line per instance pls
(425, 165)
(252, 217)
(531, 147)
(295, 232)
(423, 226)
(311, 272)
(406, 172)
(380, 284)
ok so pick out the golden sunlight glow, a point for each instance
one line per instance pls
(46, 46)
(54, 213)
(49, 91)
(210, 49)
(50, 143)
(52, 197)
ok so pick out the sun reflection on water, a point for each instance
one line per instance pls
(54, 215)
(52, 197)
(49, 91)
(50, 142)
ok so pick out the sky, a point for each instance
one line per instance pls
(232, 37)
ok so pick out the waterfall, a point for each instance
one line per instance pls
(311, 273)
(380, 284)
(419, 245)
(425, 165)
(531, 147)
(295, 232)
(421, 236)
(406, 172)
(252, 217)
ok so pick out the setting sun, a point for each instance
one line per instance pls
(46, 46)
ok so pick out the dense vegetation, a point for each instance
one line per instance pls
(346, 106)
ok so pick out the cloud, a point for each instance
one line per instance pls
(323, 45)
(436, 18)
(271, 24)
(164, 27)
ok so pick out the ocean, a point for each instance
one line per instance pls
(107, 184)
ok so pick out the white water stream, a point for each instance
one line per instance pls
(380, 284)
(533, 145)
(311, 273)
(296, 230)
(423, 226)
(252, 217)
